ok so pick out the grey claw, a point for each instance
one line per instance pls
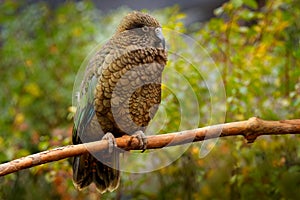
(140, 135)
(111, 141)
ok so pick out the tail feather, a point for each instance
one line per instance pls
(88, 169)
(100, 168)
(81, 171)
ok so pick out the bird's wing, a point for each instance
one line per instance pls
(86, 126)
(88, 167)
(85, 117)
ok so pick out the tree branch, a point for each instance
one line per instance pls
(250, 129)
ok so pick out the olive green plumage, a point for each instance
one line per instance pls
(120, 94)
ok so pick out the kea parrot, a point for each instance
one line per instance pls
(119, 95)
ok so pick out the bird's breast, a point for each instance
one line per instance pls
(127, 97)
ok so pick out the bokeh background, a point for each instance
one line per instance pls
(254, 43)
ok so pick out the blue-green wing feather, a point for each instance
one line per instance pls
(87, 168)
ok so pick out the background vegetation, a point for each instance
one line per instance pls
(255, 46)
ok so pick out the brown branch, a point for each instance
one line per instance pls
(250, 129)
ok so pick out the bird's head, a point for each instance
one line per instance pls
(145, 26)
(137, 19)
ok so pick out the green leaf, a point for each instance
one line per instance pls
(218, 11)
(251, 3)
(237, 3)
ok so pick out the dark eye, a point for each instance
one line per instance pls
(145, 28)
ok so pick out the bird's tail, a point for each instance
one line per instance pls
(103, 171)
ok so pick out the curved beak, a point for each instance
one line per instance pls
(160, 35)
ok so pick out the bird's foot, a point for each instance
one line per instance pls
(140, 135)
(111, 141)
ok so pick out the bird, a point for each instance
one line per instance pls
(119, 95)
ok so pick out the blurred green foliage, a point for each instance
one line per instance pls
(256, 48)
